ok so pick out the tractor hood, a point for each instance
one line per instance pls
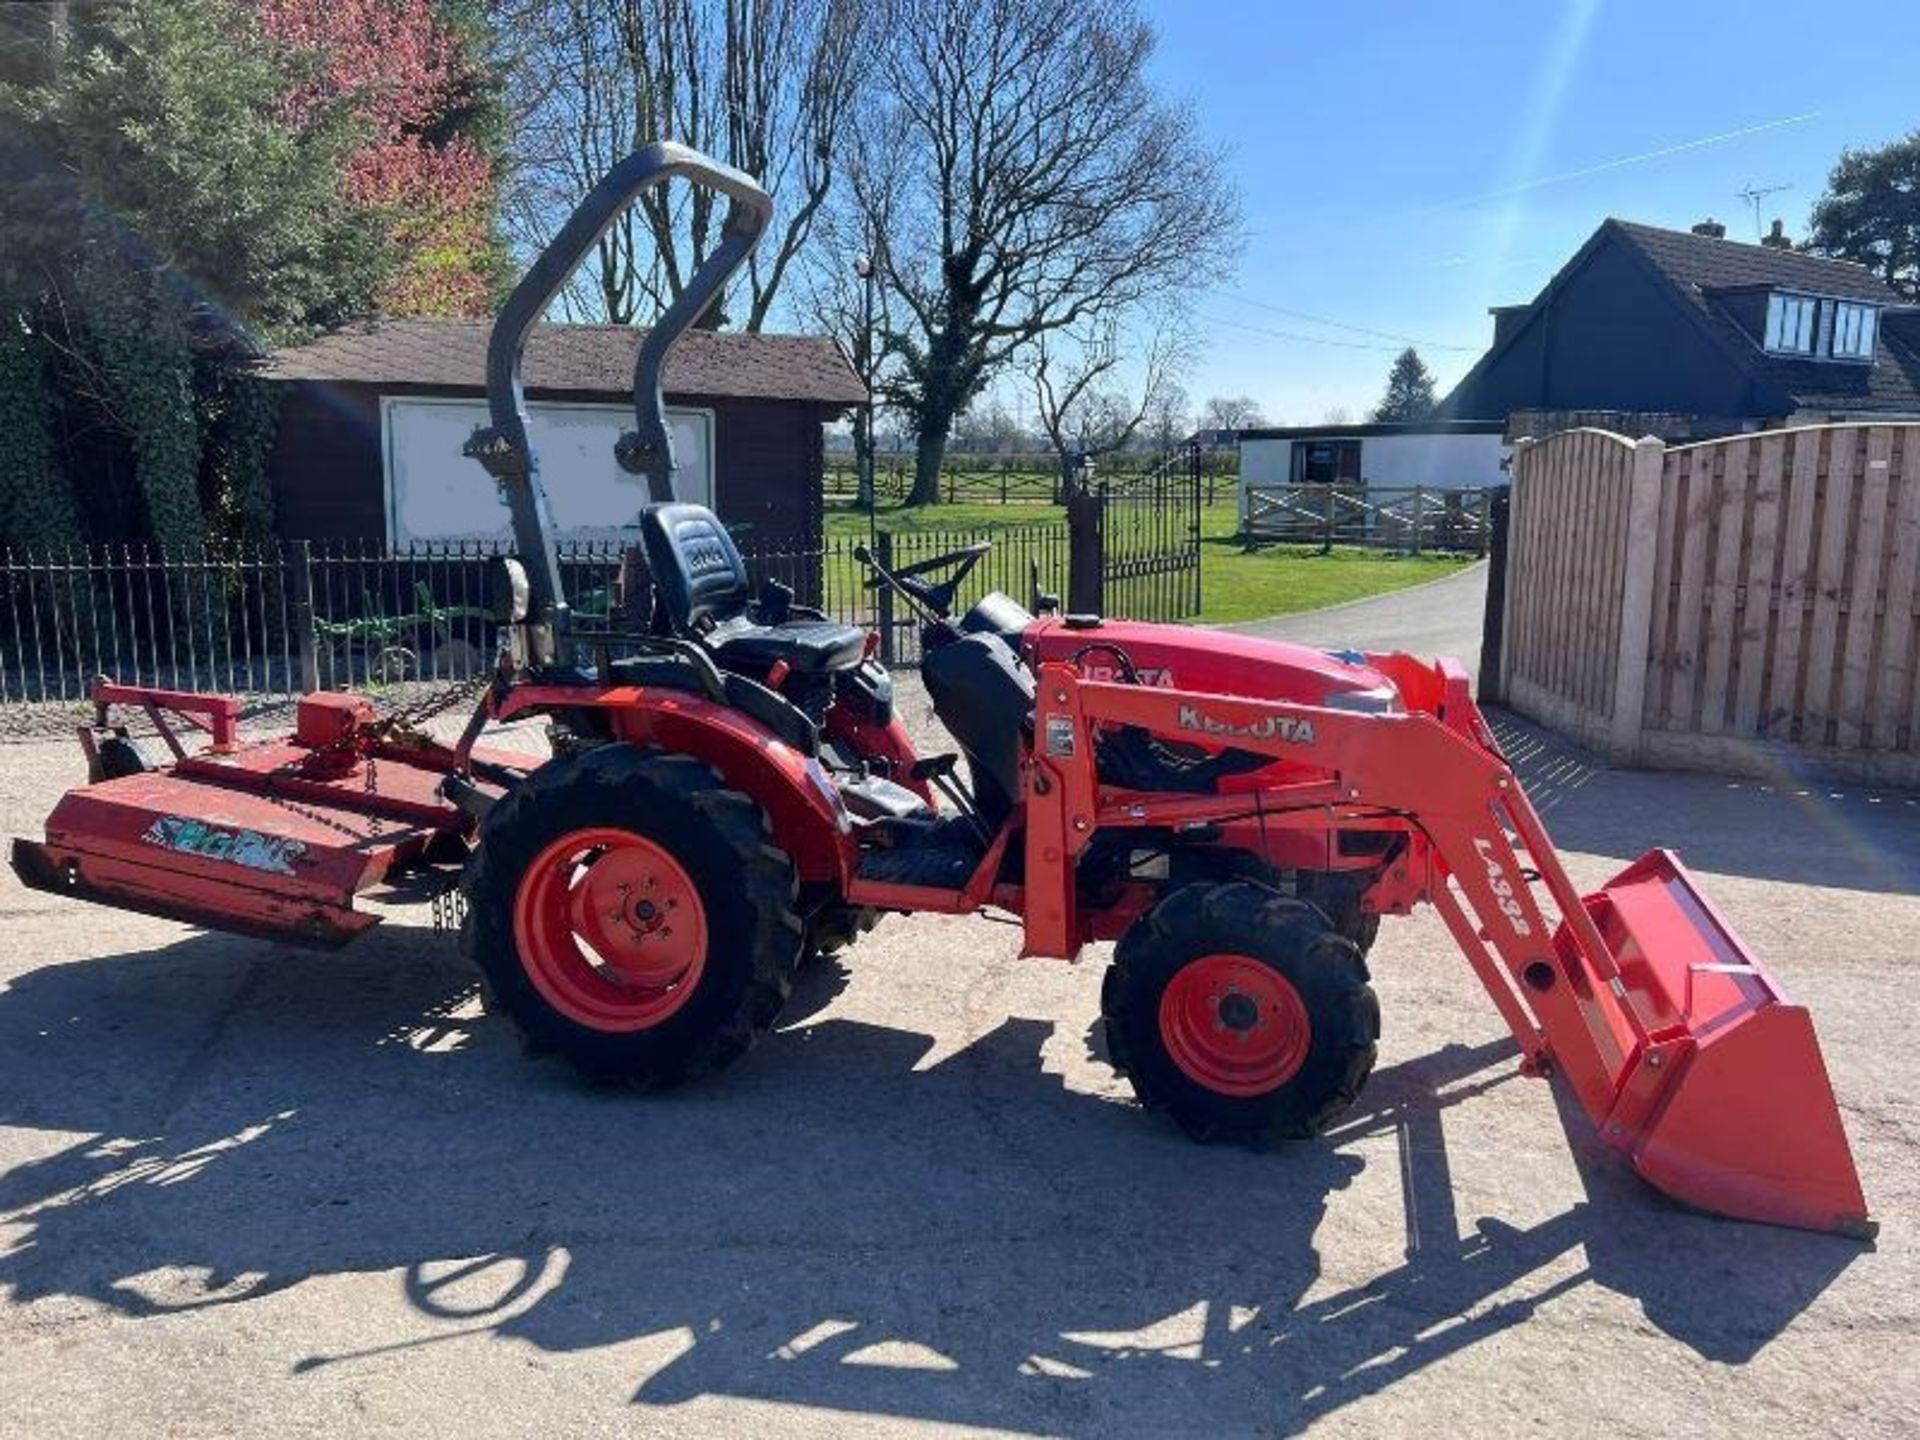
(1214, 662)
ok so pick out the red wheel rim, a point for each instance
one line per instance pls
(611, 929)
(1234, 1025)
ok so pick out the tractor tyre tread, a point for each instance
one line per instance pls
(760, 885)
(1250, 918)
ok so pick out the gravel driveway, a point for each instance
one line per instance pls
(254, 1190)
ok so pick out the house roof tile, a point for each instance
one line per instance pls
(1700, 267)
(1702, 271)
(576, 358)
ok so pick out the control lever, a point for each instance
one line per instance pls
(915, 595)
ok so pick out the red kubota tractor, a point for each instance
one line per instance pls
(730, 790)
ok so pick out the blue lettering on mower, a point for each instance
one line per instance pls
(272, 853)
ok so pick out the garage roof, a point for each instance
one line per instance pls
(593, 359)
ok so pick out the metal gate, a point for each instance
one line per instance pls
(1147, 539)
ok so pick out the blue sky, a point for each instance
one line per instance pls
(1392, 156)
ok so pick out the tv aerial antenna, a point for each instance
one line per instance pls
(1754, 194)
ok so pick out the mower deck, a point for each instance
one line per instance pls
(273, 838)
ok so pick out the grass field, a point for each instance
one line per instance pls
(1280, 580)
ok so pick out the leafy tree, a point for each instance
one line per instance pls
(1871, 213)
(186, 182)
(1025, 181)
(423, 110)
(1409, 394)
(154, 205)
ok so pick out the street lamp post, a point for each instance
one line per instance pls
(863, 267)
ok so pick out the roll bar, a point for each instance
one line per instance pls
(504, 446)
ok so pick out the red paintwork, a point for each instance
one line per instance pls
(1726, 1103)
(890, 744)
(807, 822)
(222, 712)
(1620, 998)
(1675, 1042)
(639, 915)
(1213, 662)
(1234, 1025)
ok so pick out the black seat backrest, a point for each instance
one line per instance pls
(697, 570)
(984, 696)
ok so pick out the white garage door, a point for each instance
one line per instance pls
(436, 493)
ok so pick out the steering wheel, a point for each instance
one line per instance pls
(935, 596)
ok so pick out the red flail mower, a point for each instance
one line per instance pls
(730, 792)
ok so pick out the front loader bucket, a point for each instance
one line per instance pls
(1722, 1099)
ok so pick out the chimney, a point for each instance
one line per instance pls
(1776, 238)
(1711, 228)
(1507, 318)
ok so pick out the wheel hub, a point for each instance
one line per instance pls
(611, 928)
(1237, 1012)
(1234, 1024)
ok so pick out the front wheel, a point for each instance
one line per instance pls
(1241, 1013)
(631, 913)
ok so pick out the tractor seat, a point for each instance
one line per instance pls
(703, 586)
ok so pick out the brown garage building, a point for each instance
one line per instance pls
(372, 416)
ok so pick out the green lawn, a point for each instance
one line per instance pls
(1278, 580)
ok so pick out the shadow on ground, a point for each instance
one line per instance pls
(826, 1224)
(1790, 828)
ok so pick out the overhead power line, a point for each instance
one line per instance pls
(1312, 339)
(1340, 324)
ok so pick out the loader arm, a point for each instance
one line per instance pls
(1674, 1038)
(504, 446)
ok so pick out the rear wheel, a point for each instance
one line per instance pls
(630, 912)
(1241, 1013)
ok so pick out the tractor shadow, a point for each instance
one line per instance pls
(849, 1218)
(1785, 827)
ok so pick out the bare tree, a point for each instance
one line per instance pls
(1232, 412)
(766, 85)
(1083, 408)
(1028, 183)
(1169, 416)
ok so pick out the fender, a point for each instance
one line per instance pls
(795, 791)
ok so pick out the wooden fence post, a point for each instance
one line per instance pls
(1637, 599)
(306, 650)
(1523, 449)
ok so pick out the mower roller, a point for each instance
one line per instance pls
(730, 791)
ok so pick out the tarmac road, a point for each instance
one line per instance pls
(246, 1189)
(1440, 617)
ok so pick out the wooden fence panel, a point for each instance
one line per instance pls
(1781, 597)
(1896, 709)
(1762, 564)
(1565, 570)
(1795, 606)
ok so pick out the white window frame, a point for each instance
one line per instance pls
(1793, 324)
(1854, 327)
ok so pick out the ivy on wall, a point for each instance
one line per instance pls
(185, 184)
(36, 504)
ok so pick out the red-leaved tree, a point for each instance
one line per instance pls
(404, 77)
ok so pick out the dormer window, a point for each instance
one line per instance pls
(1852, 331)
(1791, 324)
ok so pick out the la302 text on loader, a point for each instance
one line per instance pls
(730, 790)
